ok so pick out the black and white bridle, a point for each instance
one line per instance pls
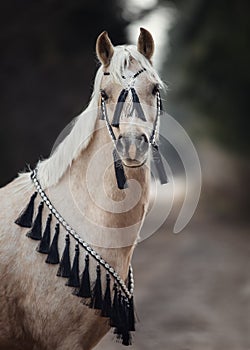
(120, 176)
(137, 106)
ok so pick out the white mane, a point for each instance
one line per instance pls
(52, 169)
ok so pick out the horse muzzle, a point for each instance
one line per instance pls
(133, 149)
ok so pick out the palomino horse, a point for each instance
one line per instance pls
(82, 209)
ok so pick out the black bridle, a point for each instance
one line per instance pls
(119, 171)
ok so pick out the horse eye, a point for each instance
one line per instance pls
(104, 95)
(155, 89)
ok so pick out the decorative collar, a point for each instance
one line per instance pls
(118, 304)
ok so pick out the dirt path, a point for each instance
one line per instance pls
(192, 290)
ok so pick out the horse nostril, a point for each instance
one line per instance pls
(142, 144)
(121, 143)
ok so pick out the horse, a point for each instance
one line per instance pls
(87, 200)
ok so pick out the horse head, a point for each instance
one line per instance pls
(130, 96)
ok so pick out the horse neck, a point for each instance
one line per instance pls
(87, 196)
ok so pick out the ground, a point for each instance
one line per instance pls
(192, 289)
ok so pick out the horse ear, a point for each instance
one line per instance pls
(104, 48)
(145, 44)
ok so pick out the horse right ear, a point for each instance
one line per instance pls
(145, 44)
(104, 48)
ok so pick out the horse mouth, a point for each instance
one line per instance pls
(133, 163)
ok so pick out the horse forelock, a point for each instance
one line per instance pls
(121, 61)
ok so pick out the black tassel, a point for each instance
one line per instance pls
(118, 325)
(118, 109)
(85, 290)
(131, 315)
(114, 311)
(119, 171)
(26, 216)
(122, 328)
(126, 337)
(74, 280)
(159, 164)
(137, 105)
(96, 302)
(106, 305)
(64, 268)
(36, 230)
(44, 245)
(53, 255)
(125, 332)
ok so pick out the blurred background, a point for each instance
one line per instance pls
(194, 292)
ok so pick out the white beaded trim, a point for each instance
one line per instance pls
(158, 101)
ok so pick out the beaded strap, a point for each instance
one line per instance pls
(158, 113)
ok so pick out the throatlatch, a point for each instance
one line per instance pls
(116, 304)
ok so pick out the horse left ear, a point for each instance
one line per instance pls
(104, 48)
(145, 44)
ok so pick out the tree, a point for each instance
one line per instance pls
(47, 65)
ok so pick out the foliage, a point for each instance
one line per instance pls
(211, 55)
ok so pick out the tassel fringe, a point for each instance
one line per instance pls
(122, 327)
(44, 245)
(131, 315)
(74, 280)
(106, 306)
(85, 290)
(26, 216)
(118, 109)
(64, 268)
(137, 105)
(36, 230)
(114, 311)
(113, 305)
(96, 302)
(159, 164)
(53, 255)
(119, 171)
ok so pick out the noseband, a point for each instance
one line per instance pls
(119, 171)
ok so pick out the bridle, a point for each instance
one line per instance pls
(120, 102)
(120, 175)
